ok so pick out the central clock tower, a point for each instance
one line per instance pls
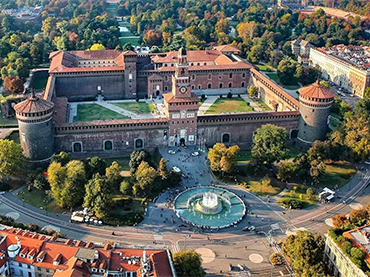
(181, 106)
(180, 81)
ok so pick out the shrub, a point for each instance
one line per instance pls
(203, 97)
(276, 259)
(292, 203)
(346, 247)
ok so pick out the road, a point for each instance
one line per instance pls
(225, 247)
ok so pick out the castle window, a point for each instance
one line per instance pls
(166, 78)
(230, 85)
(219, 76)
(243, 84)
(209, 76)
(225, 138)
(199, 86)
(243, 75)
(191, 64)
(193, 77)
(209, 85)
(165, 88)
(108, 145)
(205, 63)
(139, 143)
(192, 87)
(230, 75)
(220, 85)
(77, 147)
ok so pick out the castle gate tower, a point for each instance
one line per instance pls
(35, 123)
(129, 65)
(181, 105)
(314, 105)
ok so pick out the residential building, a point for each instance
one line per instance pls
(28, 254)
(301, 49)
(344, 66)
(339, 263)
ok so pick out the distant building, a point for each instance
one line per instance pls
(338, 262)
(344, 66)
(301, 49)
(23, 253)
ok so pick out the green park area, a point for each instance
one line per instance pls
(128, 36)
(91, 112)
(273, 76)
(137, 107)
(229, 105)
(112, 8)
(261, 104)
(8, 122)
(298, 197)
(40, 199)
(122, 161)
(337, 175)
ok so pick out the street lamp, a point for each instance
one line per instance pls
(23, 202)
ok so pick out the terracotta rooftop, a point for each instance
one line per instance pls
(227, 48)
(316, 91)
(170, 98)
(33, 104)
(192, 56)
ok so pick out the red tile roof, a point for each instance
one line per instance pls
(33, 104)
(161, 266)
(170, 98)
(227, 48)
(316, 91)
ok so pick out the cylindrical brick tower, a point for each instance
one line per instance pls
(36, 129)
(314, 105)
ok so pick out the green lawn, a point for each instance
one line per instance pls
(91, 112)
(133, 40)
(232, 105)
(112, 8)
(137, 107)
(263, 67)
(338, 174)
(294, 151)
(6, 122)
(334, 123)
(39, 83)
(273, 76)
(124, 24)
(298, 193)
(244, 156)
(126, 34)
(122, 161)
(39, 199)
(261, 104)
(13, 135)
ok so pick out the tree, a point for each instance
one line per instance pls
(306, 253)
(63, 158)
(367, 93)
(11, 157)
(125, 187)
(94, 165)
(188, 263)
(152, 37)
(136, 158)
(356, 216)
(317, 168)
(113, 174)
(162, 169)
(269, 145)
(286, 170)
(339, 220)
(310, 193)
(255, 54)
(97, 46)
(145, 176)
(287, 71)
(97, 197)
(253, 91)
(223, 159)
(13, 85)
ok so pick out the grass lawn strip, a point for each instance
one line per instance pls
(261, 104)
(137, 107)
(39, 199)
(338, 174)
(299, 193)
(122, 161)
(91, 112)
(229, 105)
(273, 76)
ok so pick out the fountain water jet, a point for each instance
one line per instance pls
(210, 204)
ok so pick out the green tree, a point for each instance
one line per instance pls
(223, 159)
(11, 157)
(94, 165)
(145, 176)
(136, 158)
(269, 145)
(125, 187)
(113, 174)
(63, 158)
(56, 178)
(188, 263)
(317, 168)
(253, 91)
(367, 93)
(285, 172)
(255, 55)
(162, 169)
(97, 197)
(310, 193)
(287, 71)
(306, 253)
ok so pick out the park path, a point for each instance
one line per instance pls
(207, 104)
(251, 103)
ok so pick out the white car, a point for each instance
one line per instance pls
(172, 152)
(194, 154)
(176, 169)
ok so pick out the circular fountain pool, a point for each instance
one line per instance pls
(209, 206)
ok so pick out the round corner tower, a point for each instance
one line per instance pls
(314, 105)
(35, 123)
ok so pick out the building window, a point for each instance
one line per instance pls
(77, 147)
(219, 76)
(165, 88)
(243, 75)
(166, 78)
(220, 85)
(139, 143)
(192, 87)
(193, 77)
(108, 145)
(209, 85)
(225, 138)
(230, 75)
(230, 85)
(243, 84)
(209, 76)
(199, 86)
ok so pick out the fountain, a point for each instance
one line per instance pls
(210, 204)
(211, 207)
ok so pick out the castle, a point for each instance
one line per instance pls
(180, 77)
